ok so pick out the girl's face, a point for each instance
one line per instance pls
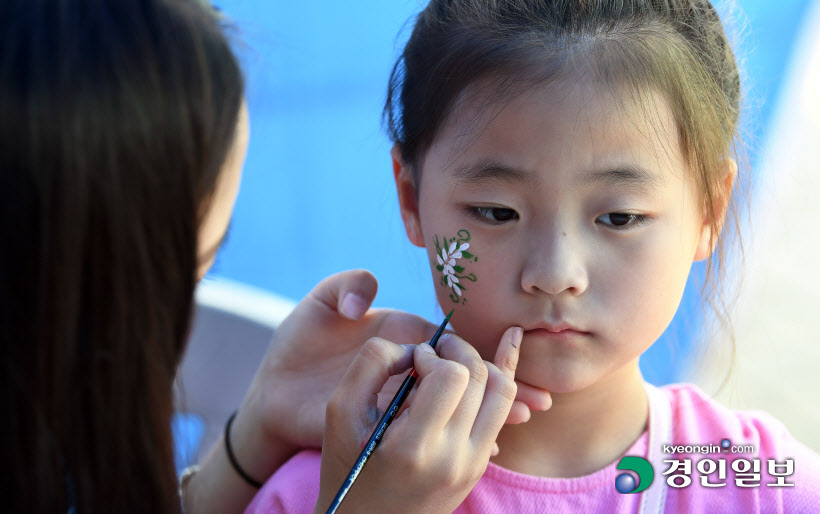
(583, 223)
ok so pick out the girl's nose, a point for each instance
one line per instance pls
(555, 265)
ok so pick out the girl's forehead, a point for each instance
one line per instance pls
(564, 120)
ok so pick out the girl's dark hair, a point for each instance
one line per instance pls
(677, 48)
(117, 117)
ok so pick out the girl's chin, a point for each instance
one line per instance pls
(556, 381)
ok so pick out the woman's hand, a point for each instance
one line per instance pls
(284, 409)
(435, 450)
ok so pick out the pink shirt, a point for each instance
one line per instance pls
(696, 420)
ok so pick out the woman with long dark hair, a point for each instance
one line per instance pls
(122, 136)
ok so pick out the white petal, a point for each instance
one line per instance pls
(448, 270)
(453, 247)
(463, 246)
(456, 255)
(455, 279)
(449, 281)
(444, 254)
(438, 258)
(451, 262)
(458, 290)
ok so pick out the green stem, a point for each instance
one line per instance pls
(471, 277)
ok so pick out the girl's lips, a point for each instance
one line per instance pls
(564, 334)
(556, 328)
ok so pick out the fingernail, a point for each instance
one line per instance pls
(518, 334)
(427, 348)
(408, 347)
(353, 306)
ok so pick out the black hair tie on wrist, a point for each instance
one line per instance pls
(232, 457)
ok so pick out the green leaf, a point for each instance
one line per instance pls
(458, 269)
(439, 267)
(467, 255)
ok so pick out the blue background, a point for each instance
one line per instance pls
(317, 195)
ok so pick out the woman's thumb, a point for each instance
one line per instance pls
(349, 293)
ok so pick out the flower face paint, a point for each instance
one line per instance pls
(448, 254)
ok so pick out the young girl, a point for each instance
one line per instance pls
(563, 162)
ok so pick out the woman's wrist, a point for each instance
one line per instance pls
(257, 452)
(217, 487)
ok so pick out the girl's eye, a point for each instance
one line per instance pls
(492, 215)
(622, 220)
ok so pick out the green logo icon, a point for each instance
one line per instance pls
(625, 483)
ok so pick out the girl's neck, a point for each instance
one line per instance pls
(583, 432)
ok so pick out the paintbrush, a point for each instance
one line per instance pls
(387, 418)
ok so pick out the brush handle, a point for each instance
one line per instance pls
(375, 438)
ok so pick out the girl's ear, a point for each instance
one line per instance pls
(706, 243)
(408, 197)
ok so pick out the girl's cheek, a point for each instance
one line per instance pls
(453, 263)
(467, 278)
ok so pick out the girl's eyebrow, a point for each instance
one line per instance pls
(488, 171)
(626, 175)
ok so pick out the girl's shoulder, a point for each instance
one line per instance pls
(699, 419)
(293, 488)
